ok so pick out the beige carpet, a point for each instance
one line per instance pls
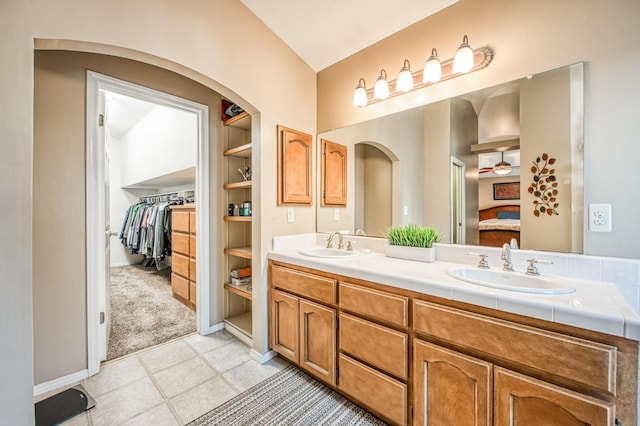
(143, 311)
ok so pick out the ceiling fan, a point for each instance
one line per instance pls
(501, 168)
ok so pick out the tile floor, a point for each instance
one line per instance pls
(174, 383)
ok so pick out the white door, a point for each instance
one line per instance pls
(457, 201)
(103, 290)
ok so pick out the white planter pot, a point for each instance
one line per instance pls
(412, 253)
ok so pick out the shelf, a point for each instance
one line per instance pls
(244, 252)
(237, 218)
(241, 322)
(240, 290)
(237, 185)
(242, 120)
(239, 151)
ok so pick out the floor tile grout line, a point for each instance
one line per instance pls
(157, 386)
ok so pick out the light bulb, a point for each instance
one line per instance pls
(381, 89)
(463, 61)
(404, 83)
(360, 94)
(432, 69)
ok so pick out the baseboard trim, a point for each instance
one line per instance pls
(262, 358)
(214, 328)
(239, 334)
(60, 382)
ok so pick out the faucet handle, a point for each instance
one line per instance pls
(482, 264)
(349, 245)
(532, 269)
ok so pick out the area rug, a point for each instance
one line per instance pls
(290, 397)
(143, 311)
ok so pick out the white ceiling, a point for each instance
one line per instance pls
(323, 32)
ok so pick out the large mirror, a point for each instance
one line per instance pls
(500, 163)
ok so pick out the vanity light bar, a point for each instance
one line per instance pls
(482, 57)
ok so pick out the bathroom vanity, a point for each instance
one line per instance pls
(390, 335)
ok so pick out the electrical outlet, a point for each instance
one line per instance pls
(336, 214)
(290, 216)
(600, 217)
(405, 211)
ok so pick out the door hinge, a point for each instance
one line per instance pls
(101, 120)
(101, 317)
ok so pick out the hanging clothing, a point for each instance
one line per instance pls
(146, 230)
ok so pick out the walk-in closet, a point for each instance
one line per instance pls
(151, 156)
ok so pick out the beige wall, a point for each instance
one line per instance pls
(218, 43)
(59, 260)
(528, 37)
(545, 126)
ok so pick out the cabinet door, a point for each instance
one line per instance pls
(524, 401)
(450, 388)
(333, 174)
(294, 167)
(318, 340)
(283, 325)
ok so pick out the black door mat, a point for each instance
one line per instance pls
(63, 406)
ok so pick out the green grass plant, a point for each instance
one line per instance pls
(412, 235)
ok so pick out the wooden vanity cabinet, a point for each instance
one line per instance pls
(450, 388)
(301, 330)
(414, 359)
(557, 372)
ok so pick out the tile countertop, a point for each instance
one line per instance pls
(595, 305)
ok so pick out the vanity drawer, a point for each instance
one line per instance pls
(590, 364)
(180, 243)
(377, 345)
(380, 393)
(374, 303)
(192, 292)
(311, 286)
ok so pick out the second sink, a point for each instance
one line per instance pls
(513, 281)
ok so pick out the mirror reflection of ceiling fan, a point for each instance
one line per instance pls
(501, 167)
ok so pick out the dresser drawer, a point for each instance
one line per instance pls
(180, 286)
(380, 393)
(192, 269)
(180, 265)
(311, 286)
(377, 304)
(192, 292)
(179, 221)
(589, 364)
(192, 246)
(192, 222)
(377, 345)
(180, 243)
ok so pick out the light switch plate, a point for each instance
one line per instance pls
(290, 215)
(336, 214)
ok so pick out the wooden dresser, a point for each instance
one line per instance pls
(183, 254)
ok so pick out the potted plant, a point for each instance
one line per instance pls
(412, 242)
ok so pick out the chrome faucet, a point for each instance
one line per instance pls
(506, 256)
(330, 240)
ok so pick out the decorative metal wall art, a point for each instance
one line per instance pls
(544, 186)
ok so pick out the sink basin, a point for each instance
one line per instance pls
(328, 252)
(513, 281)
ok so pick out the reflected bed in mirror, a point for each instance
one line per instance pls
(438, 165)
